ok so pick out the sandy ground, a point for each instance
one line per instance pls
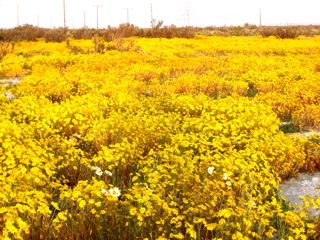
(299, 186)
(7, 82)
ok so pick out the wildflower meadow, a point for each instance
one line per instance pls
(157, 138)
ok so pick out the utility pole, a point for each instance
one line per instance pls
(188, 13)
(185, 12)
(151, 12)
(98, 14)
(153, 22)
(127, 9)
(84, 19)
(260, 16)
(17, 14)
(38, 20)
(64, 13)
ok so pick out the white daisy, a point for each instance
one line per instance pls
(210, 169)
(225, 176)
(115, 192)
(99, 172)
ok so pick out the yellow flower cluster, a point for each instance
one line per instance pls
(156, 138)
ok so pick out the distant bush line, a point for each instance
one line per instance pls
(31, 33)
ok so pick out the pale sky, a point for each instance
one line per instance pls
(49, 13)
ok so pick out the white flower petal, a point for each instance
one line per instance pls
(77, 135)
(99, 172)
(115, 192)
(105, 192)
(210, 169)
(225, 176)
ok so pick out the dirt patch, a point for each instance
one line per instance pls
(7, 82)
(297, 187)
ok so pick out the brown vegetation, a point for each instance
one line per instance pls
(31, 33)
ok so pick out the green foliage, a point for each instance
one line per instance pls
(289, 128)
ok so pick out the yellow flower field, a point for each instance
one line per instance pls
(157, 138)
